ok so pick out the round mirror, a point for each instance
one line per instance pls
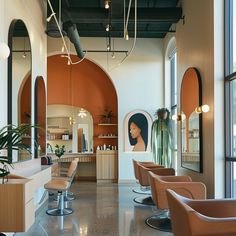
(19, 83)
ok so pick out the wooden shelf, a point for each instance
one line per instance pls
(107, 124)
(59, 139)
(107, 136)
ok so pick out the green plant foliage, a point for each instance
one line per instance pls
(59, 151)
(12, 138)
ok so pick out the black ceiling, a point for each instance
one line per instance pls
(154, 17)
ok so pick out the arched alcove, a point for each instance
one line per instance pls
(83, 85)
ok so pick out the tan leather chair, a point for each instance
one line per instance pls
(182, 185)
(144, 180)
(62, 185)
(202, 217)
(69, 176)
(140, 190)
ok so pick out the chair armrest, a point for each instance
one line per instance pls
(187, 189)
(163, 171)
(183, 178)
(215, 207)
(203, 225)
(193, 190)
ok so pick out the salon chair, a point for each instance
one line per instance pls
(69, 176)
(61, 185)
(201, 217)
(181, 184)
(144, 180)
(140, 190)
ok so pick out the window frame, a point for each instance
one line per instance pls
(229, 77)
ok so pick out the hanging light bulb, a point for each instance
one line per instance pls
(126, 35)
(106, 4)
(82, 113)
(62, 49)
(113, 55)
(107, 27)
(50, 17)
(108, 47)
(24, 55)
(68, 62)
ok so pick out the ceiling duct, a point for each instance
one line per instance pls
(73, 35)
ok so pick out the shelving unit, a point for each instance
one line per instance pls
(100, 136)
(106, 134)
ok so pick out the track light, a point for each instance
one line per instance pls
(106, 4)
(50, 17)
(24, 55)
(107, 27)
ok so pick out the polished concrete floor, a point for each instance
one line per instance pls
(99, 209)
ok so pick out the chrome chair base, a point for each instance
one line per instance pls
(160, 222)
(59, 212)
(142, 191)
(144, 200)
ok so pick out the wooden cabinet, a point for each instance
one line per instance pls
(107, 165)
(17, 205)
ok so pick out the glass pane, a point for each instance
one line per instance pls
(233, 109)
(234, 36)
(174, 140)
(173, 80)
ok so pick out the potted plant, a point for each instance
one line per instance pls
(12, 138)
(59, 151)
(107, 115)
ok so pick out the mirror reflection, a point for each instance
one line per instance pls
(40, 116)
(19, 81)
(70, 126)
(191, 120)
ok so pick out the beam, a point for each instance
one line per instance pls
(148, 15)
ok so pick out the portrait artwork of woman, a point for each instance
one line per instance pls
(138, 132)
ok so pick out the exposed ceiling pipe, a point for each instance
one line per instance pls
(73, 35)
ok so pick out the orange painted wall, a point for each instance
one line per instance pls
(42, 114)
(84, 85)
(25, 104)
(189, 92)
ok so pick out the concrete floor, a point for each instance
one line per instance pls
(99, 209)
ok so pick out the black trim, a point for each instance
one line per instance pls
(200, 122)
(9, 74)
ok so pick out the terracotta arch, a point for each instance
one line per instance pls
(83, 85)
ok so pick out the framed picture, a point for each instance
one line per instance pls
(137, 131)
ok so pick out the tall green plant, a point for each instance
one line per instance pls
(12, 138)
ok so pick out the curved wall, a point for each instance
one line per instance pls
(84, 85)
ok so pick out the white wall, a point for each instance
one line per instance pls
(200, 45)
(138, 83)
(30, 11)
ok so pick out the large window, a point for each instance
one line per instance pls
(173, 99)
(230, 96)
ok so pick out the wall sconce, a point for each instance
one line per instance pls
(4, 51)
(204, 108)
(179, 117)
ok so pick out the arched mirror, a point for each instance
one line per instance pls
(40, 116)
(191, 122)
(70, 126)
(19, 82)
